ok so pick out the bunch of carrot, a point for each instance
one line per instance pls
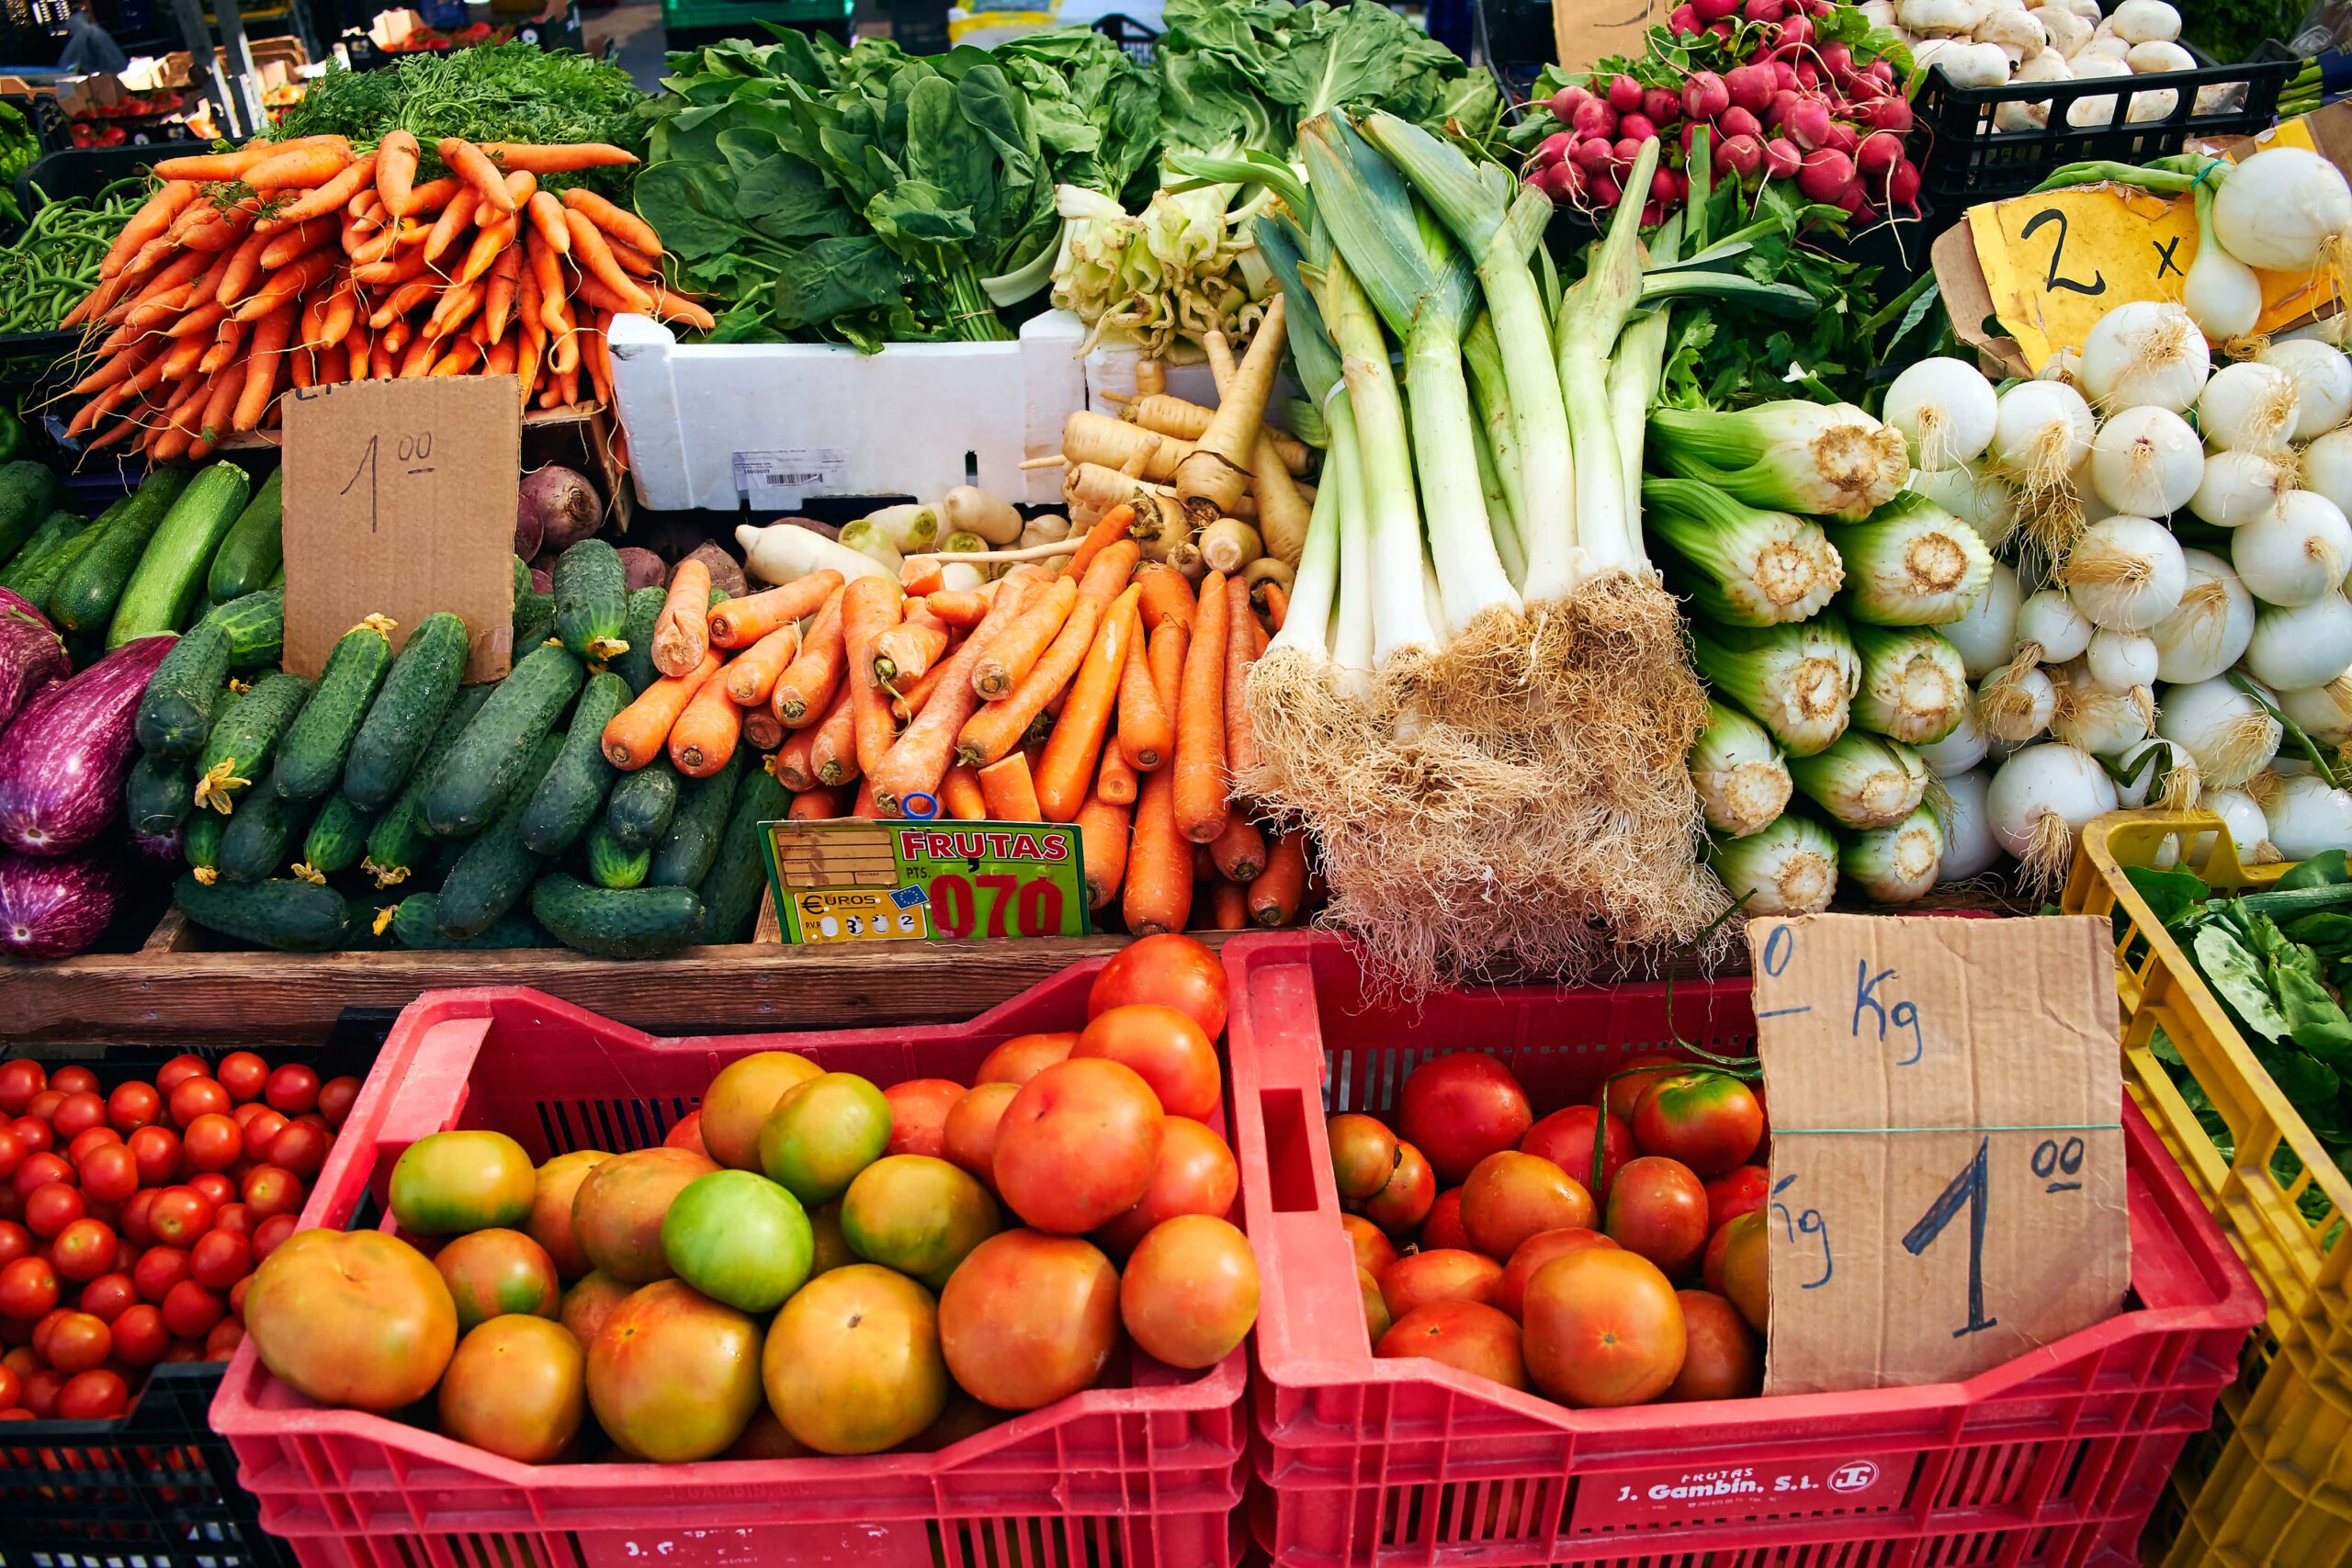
(305, 263)
(1107, 695)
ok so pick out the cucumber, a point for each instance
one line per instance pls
(497, 867)
(641, 806)
(489, 759)
(730, 891)
(636, 666)
(158, 795)
(201, 844)
(310, 759)
(522, 576)
(286, 914)
(534, 621)
(176, 710)
(643, 922)
(400, 722)
(398, 840)
(163, 586)
(568, 797)
(14, 437)
(255, 544)
(27, 492)
(54, 530)
(592, 601)
(38, 582)
(415, 922)
(263, 833)
(337, 838)
(256, 627)
(244, 736)
(612, 863)
(685, 855)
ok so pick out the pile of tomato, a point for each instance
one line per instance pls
(131, 1222)
(1639, 1278)
(813, 1262)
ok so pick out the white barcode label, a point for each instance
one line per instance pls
(787, 474)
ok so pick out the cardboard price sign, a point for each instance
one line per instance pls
(1947, 1174)
(860, 881)
(1587, 32)
(400, 500)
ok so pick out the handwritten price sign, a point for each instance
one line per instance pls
(860, 881)
(1947, 1170)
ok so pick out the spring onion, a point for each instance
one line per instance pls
(1912, 564)
(2147, 461)
(1896, 864)
(1748, 566)
(2306, 815)
(1970, 848)
(1962, 747)
(1742, 782)
(2249, 828)
(2295, 556)
(1788, 868)
(2305, 646)
(1945, 410)
(2248, 407)
(2324, 712)
(2323, 378)
(1987, 636)
(2040, 798)
(2118, 662)
(1797, 680)
(1976, 495)
(2017, 702)
(1830, 459)
(2126, 573)
(2145, 352)
(1862, 780)
(2226, 731)
(2238, 488)
(2207, 632)
(2092, 718)
(1914, 688)
(2283, 209)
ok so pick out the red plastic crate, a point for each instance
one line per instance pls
(2056, 1458)
(1145, 1472)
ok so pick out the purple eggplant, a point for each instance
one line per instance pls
(63, 760)
(30, 654)
(164, 849)
(54, 907)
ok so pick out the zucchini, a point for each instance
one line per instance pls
(286, 914)
(415, 922)
(636, 666)
(685, 855)
(407, 711)
(38, 582)
(534, 620)
(169, 576)
(592, 601)
(337, 838)
(568, 797)
(310, 759)
(398, 840)
(731, 890)
(497, 867)
(27, 492)
(643, 922)
(256, 627)
(54, 530)
(244, 736)
(176, 711)
(490, 759)
(255, 544)
(263, 833)
(156, 796)
(201, 844)
(612, 863)
(639, 808)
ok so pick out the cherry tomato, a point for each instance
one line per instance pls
(157, 1150)
(11, 1206)
(220, 1260)
(293, 1090)
(133, 1105)
(266, 1237)
(213, 1142)
(44, 1169)
(41, 1393)
(19, 1081)
(34, 1134)
(12, 1388)
(27, 1287)
(89, 1138)
(236, 1298)
(184, 1350)
(336, 1096)
(159, 1269)
(140, 1335)
(45, 1104)
(216, 1186)
(235, 1218)
(180, 1215)
(135, 1211)
(264, 1126)
(222, 1342)
(243, 1074)
(11, 1151)
(73, 1080)
(16, 1242)
(273, 1189)
(197, 1097)
(190, 1310)
(243, 1114)
(109, 1295)
(24, 1361)
(301, 1149)
(77, 1113)
(84, 1250)
(77, 1342)
(95, 1395)
(48, 1210)
(110, 1173)
(49, 1320)
(178, 1070)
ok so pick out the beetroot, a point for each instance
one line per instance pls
(1781, 158)
(54, 908)
(640, 568)
(564, 507)
(1661, 106)
(1825, 175)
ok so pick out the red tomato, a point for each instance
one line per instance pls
(243, 1074)
(180, 1215)
(919, 1109)
(1363, 1153)
(1721, 1358)
(1023, 1057)
(1602, 1327)
(1658, 1210)
(44, 1169)
(1510, 1196)
(1374, 1251)
(184, 1350)
(110, 1173)
(27, 1289)
(1166, 1047)
(12, 1388)
(1196, 1175)
(235, 1218)
(270, 1233)
(94, 1395)
(220, 1260)
(109, 1295)
(212, 1143)
(88, 1139)
(293, 1090)
(222, 1342)
(159, 1269)
(190, 1310)
(1443, 1228)
(45, 1104)
(1406, 1201)
(48, 1210)
(1625, 1092)
(16, 1242)
(1169, 970)
(157, 1149)
(34, 1134)
(237, 1296)
(19, 1081)
(1709, 1121)
(270, 1190)
(49, 1320)
(1564, 1138)
(77, 1341)
(77, 1113)
(41, 1393)
(84, 1250)
(197, 1097)
(1738, 1191)
(1078, 1146)
(1459, 1109)
(1510, 1292)
(24, 1361)
(1028, 1319)
(302, 1148)
(139, 1337)
(73, 1080)
(177, 1071)
(1419, 1278)
(336, 1096)
(1469, 1337)
(11, 1151)
(260, 1127)
(215, 1186)
(133, 1105)
(135, 1211)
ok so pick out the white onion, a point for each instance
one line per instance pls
(2296, 557)
(2327, 468)
(2126, 573)
(2209, 631)
(2146, 461)
(1961, 749)
(2309, 645)
(2092, 718)
(2241, 818)
(2044, 429)
(1945, 408)
(2307, 816)
(2147, 771)
(2239, 488)
(1970, 848)
(1988, 635)
(1975, 495)
(2220, 291)
(2222, 729)
(2051, 622)
(2041, 798)
(2119, 660)
(2280, 208)
(2323, 378)
(2324, 712)
(2247, 407)
(2015, 703)
(2145, 352)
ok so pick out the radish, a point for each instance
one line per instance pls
(1889, 114)
(1879, 152)
(1826, 175)
(1781, 158)
(1737, 122)
(1552, 149)
(1903, 187)
(1784, 76)
(1625, 152)
(1808, 123)
(1751, 87)
(1661, 106)
(1764, 11)
(1684, 21)
(1704, 95)
(1796, 32)
(1741, 157)
(1592, 157)
(1636, 129)
(1842, 138)
(1564, 102)
(1594, 118)
(1625, 94)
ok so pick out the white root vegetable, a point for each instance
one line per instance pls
(2120, 662)
(2247, 407)
(2207, 632)
(1987, 636)
(1975, 495)
(2323, 378)
(2040, 799)
(2144, 22)
(2092, 718)
(1945, 408)
(2149, 771)
(2220, 292)
(2221, 728)
(2295, 556)
(1970, 848)
(2145, 352)
(786, 552)
(2327, 468)
(2324, 712)
(2307, 816)
(2309, 645)
(2243, 819)
(2283, 209)
(1961, 750)
(968, 509)
(2054, 625)
(2016, 703)
(2146, 461)
(2239, 488)
(2126, 573)
(2042, 435)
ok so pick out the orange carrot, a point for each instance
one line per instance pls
(675, 307)
(221, 407)
(738, 623)
(287, 284)
(328, 197)
(465, 162)
(908, 701)
(792, 760)
(335, 365)
(457, 305)
(752, 674)
(1159, 860)
(634, 262)
(1275, 896)
(1241, 651)
(633, 735)
(1240, 850)
(547, 220)
(304, 166)
(833, 751)
(622, 225)
(245, 267)
(1277, 602)
(498, 305)
(1077, 744)
(397, 269)
(681, 635)
(904, 653)
(453, 221)
(498, 359)
(706, 731)
(396, 157)
(287, 243)
(1168, 645)
(959, 607)
(1116, 780)
(1200, 721)
(1010, 657)
(459, 361)
(563, 159)
(1113, 525)
(869, 608)
(960, 798)
(997, 727)
(921, 756)
(418, 358)
(818, 803)
(806, 689)
(1011, 793)
(407, 296)
(211, 168)
(1166, 595)
(202, 321)
(264, 365)
(1147, 733)
(430, 199)
(1229, 905)
(490, 241)
(594, 259)
(154, 216)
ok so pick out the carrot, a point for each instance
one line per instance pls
(546, 213)
(1010, 657)
(498, 359)
(459, 361)
(1168, 645)
(153, 217)
(466, 161)
(1275, 895)
(431, 197)
(498, 305)
(594, 259)
(681, 635)
(244, 265)
(999, 727)
(617, 222)
(1277, 603)
(752, 674)
(209, 168)
(564, 332)
(1200, 721)
(490, 243)
(303, 167)
(328, 197)
(556, 160)
(1166, 594)
(706, 731)
(409, 263)
(264, 365)
(634, 262)
(1159, 861)
(1115, 779)
(792, 760)
(1240, 652)
(335, 365)
(833, 753)
(1011, 793)
(959, 606)
(921, 756)
(806, 689)
(739, 623)
(905, 652)
(908, 701)
(287, 243)
(288, 284)
(1229, 905)
(453, 221)
(457, 305)
(396, 157)
(1103, 827)
(203, 322)
(869, 608)
(1240, 850)
(1147, 732)
(1077, 742)
(1111, 525)
(419, 359)
(818, 804)
(633, 735)
(673, 306)
(960, 798)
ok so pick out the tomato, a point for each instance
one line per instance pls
(766, 1438)
(12, 1388)
(1448, 1275)
(1708, 1120)
(919, 1109)
(179, 1215)
(139, 1337)
(16, 1242)
(48, 1210)
(135, 1211)
(1189, 1293)
(243, 1074)
(674, 1375)
(1746, 1276)
(1078, 1146)
(1469, 1337)
(157, 1150)
(44, 1106)
(494, 1273)
(1364, 1155)
(337, 1097)
(853, 1364)
(1721, 1358)
(302, 1148)
(1196, 1175)
(1657, 1209)
(823, 1131)
(829, 1248)
(44, 1169)
(1023, 1057)
(42, 1389)
(292, 1089)
(157, 1271)
(27, 1289)
(447, 1183)
(178, 1070)
(1374, 1304)
(77, 1113)
(1510, 1196)
(739, 1099)
(213, 1142)
(517, 1387)
(77, 1341)
(110, 1173)
(270, 1191)
(1169, 970)
(617, 1213)
(1411, 1192)
(1374, 1251)
(219, 1258)
(356, 1318)
(1029, 1318)
(920, 1215)
(215, 1187)
(23, 1360)
(197, 1097)
(34, 1134)
(739, 1238)
(1640, 1072)
(554, 1186)
(1510, 1291)
(1459, 1109)
(19, 1081)
(133, 1105)
(13, 1151)
(1166, 1048)
(88, 1140)
(1739, 1190)
(73, 1080)
(222, 1342)
(271, 1234)
(109, 1296)
(968, 1139)
(687, 1135)
(1601, 1326)
(1444, 1227)
(234, 1219)
(1564, 1138)
(94, 1395)
(588, 1302)
(237, 1293)
(84, 1250)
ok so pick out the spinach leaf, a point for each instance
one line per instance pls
(2237, 977)
(2327, 869)
(2171, 895)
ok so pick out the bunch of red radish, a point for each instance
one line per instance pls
(1796, 107)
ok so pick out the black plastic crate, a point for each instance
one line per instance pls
(1964, 160)
(1140, 43)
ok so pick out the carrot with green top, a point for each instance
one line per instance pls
(396, 157)
(325, 200)
(594, 258)
(559, 159)
(618, 222)
(467, 162)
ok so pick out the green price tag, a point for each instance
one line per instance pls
(859, 881)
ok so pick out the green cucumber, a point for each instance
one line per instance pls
(643, 922)
(255, 544)
(483, 770)
(54, 530)
(407, 711)
(287, 914)
(568, 797)
(310, 759)
(164, 585)
(691, 843)
(612, 863)
(202, 843)
(176, 711)
(244, 736)
(534, 621)
(415, 922)
(398, 841)
(497, 867)
(636, 666)
(38, 582)
(731, 892)
(158, 795)
(256, 629)
(522, 576)
(27, 492)
(338, 840)
(592, 601)
(641, 806)
(263, 833)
